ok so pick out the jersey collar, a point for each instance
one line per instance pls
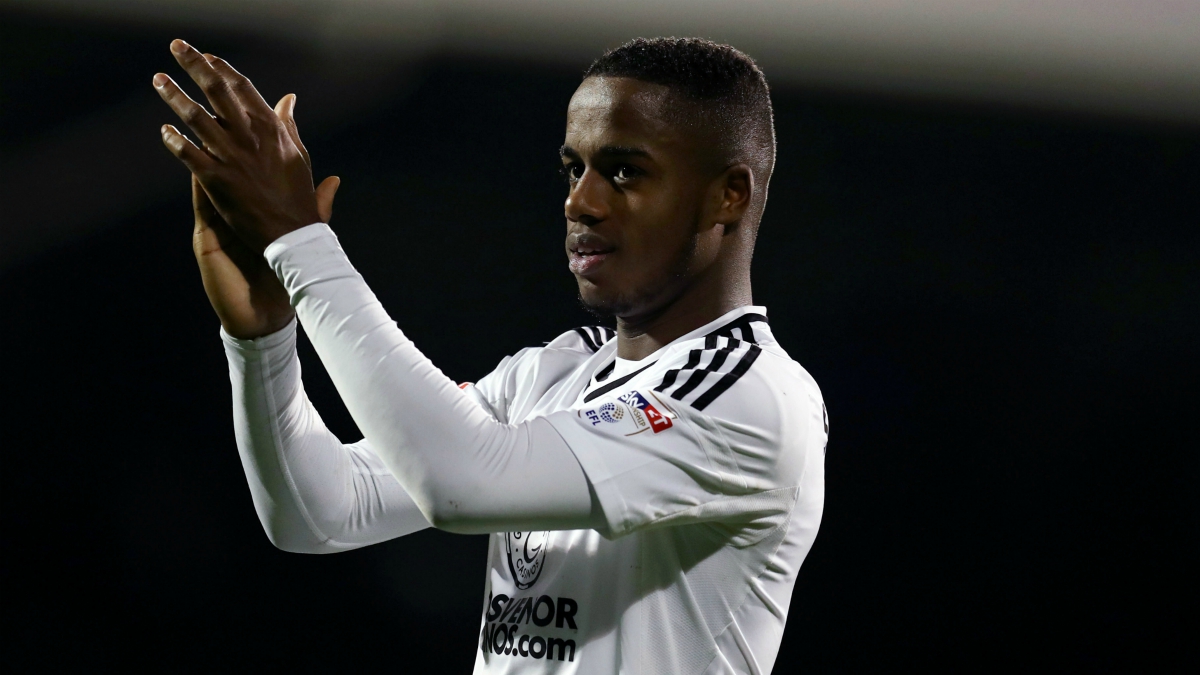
(735, 324)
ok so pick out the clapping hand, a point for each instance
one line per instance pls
(251, 184)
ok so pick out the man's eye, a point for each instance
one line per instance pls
(625, 172)
(571, 172)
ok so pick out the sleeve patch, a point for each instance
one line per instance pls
(632, 413)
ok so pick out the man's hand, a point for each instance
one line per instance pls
(252, 167)
(242, 288)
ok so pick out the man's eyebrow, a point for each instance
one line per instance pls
(606, 151)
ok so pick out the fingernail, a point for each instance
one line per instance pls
(160, 80)
(179, 46)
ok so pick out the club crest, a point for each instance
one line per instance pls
(526, 556)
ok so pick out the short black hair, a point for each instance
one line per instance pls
(728, 86)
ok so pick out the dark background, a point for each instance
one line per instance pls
(1000, 306)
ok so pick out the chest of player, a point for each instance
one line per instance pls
(553, 597)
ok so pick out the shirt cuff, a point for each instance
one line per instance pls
(296, 238)
(265, 343)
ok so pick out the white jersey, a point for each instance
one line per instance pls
(695, 477)
(707, 458)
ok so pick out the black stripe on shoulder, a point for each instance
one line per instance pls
(600, 391)
(692, 361)
(595, 336)
(588, 339)
(728, 379)
(714, 366)
(742, 325)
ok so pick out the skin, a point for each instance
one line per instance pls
(675, 224)
(251, 184)
(675, 219)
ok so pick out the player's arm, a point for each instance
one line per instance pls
(312, 493)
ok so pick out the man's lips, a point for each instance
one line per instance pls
(584, 262)
(586, 251)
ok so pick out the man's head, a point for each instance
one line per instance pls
(670, 144)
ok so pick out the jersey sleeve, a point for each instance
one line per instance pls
(465, 466)
(734, 460)
(312, 493)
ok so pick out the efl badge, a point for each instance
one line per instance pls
(658, 421)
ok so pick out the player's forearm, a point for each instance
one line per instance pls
(466, 471)
(312, 493)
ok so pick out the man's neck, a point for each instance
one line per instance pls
(639, 337)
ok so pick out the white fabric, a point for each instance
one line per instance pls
(312, 494)
(652, 528)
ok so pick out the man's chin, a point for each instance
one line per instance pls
(599, 308)
(621, 306)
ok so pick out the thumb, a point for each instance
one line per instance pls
(325, 193)
(285, 110)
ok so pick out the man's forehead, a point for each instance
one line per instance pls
(619, 109)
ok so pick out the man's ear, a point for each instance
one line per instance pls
(734, 193)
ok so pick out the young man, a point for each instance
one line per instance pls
(650, 494)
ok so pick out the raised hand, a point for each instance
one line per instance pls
(252, 166)
(243, 290)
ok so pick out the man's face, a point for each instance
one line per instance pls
(638, 189)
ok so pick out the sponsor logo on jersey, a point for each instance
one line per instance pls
(526, 556)
(506, 627)
(632, 410)
(658, 421)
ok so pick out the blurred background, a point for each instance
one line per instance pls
(981, 240)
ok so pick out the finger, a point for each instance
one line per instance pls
(240, 88)
(325, 193)
(285, 110)
(214, 86)
(199, 162)
(211, 234)
(191, 113)
(202, 206)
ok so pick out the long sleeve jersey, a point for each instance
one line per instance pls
(644, 517)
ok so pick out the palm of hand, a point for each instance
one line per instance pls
(242, 288)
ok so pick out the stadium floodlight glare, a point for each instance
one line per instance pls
(1132, 58)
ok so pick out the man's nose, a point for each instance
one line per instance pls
(588, 201)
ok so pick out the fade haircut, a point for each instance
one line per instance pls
(727, 90)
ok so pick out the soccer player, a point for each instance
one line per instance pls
(650, 492)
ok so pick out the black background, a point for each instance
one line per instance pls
(999, 305)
